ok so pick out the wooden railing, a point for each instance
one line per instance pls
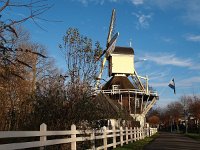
(120, 91)
(119, 137)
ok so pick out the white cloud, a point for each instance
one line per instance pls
(159, 84)
(169, 59)
(158, 75)
(189, 82)
(166, 39)
(86, 2)
(195, 66)
(164, 4)
(192, 12)
(190, 8)
(114, 1)
(143, 20)
(194, 38)
(137, 2)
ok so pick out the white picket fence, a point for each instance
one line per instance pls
(125, 135)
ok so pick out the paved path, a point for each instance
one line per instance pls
(172, 141)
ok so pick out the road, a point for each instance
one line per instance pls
(172, 141)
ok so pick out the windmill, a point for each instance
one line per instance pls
(125, 85)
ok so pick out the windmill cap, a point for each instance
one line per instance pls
(123, 50)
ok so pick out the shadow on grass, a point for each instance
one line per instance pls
(138, 145)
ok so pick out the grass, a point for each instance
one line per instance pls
(194, 136)
(138, 145)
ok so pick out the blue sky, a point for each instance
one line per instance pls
(165, 32)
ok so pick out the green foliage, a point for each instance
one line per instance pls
(138, 145)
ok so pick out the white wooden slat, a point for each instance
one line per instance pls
(110, 135)
(12, 134)
(99, 137)
(15, 146)
(9, 134)
(79, 139)
(100, 147)
(110, 145)
(118, 134)
(118, 143)
(57, 141)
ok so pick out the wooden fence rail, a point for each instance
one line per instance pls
(125, 135)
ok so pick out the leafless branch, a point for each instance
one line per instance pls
(5, 5)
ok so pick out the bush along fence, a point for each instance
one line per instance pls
(108, 137)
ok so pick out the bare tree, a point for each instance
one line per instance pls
(175, 109)
(9, 34)
(194, 109)
(81, 55)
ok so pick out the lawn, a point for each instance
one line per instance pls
(194, 136)
(138, 145)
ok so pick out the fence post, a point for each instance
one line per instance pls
(147, 132)
(126, 135)
(121, 136)
(43, 129)
(131, 132)
(142, 133)
(134, 133)
(105, 138)
(73, 137)
(150, 131)
(114, 137)
(138, 133)
(93, 139)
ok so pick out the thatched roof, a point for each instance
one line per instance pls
(122, 81)
(109, 108)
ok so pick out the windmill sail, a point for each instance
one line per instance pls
(111, 28)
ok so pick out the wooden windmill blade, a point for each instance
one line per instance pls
(111, 41)
(111, 28)
(110, 46)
